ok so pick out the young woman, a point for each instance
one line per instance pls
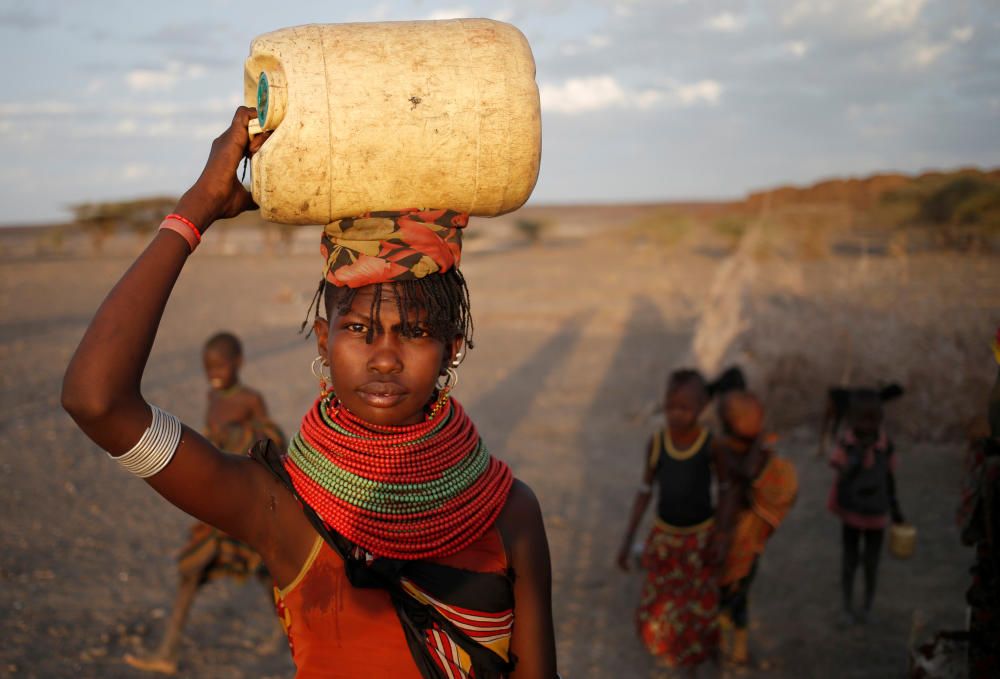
(399, 546)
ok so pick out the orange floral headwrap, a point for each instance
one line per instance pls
(387, 246)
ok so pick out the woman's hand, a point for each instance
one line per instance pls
(218, 193)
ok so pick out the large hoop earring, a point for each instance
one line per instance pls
(317, 370)
(444, 391)
(450, 379)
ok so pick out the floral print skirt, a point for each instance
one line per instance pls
(677, 616)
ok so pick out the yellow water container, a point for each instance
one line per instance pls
(902, 540)
(381, 116)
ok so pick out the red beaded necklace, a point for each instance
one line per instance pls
(417, 491)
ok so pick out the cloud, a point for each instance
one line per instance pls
(126, 127)
(727, 22)
(458, 12)
(895, 14)
(797, 48)
(925, 55)
(136, 171)
(581, 95)
(577, 96)
(962, 34)
(622, 9)
(150, 79)
(703, 91)
(598, 41)
(928, 53)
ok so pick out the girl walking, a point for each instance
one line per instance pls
(863, 496)
(677, 612)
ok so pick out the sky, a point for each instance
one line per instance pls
(641, 100)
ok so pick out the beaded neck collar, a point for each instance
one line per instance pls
(408, 492)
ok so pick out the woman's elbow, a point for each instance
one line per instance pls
(83, 404)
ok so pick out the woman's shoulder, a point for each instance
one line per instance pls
(520, 522)
(521, 506)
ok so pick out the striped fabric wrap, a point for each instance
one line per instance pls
(491, 630)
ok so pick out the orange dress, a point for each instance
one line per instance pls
(338, 631)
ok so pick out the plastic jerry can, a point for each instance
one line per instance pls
(392, 115)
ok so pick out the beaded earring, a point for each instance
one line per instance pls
(441, 402)
(444, 390)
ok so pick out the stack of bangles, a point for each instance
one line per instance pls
(155, 448)
(183, 227)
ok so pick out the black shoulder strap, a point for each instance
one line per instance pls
(655, 450)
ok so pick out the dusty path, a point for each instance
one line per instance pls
(571, 354)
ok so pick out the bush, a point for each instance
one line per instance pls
(530, 229)
(945, 204)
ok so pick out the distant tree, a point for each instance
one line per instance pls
(943, 205)
(101, 219)
(531, 229)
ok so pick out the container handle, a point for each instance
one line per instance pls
(253, 128)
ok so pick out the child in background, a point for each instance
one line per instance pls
(677, 613)
(838, 401)
(760, 491)
(863, 494)
(236, 418)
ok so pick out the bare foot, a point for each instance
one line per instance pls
(151, 664)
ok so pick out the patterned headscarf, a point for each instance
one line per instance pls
(382, 247)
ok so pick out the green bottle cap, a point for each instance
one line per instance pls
(262, 99)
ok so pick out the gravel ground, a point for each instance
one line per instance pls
(571, 354)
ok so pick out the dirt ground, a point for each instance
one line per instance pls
(572, 348)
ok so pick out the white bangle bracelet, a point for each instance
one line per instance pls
(155, 448)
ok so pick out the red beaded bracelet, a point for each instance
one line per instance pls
(184, 228)
(185, 220)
